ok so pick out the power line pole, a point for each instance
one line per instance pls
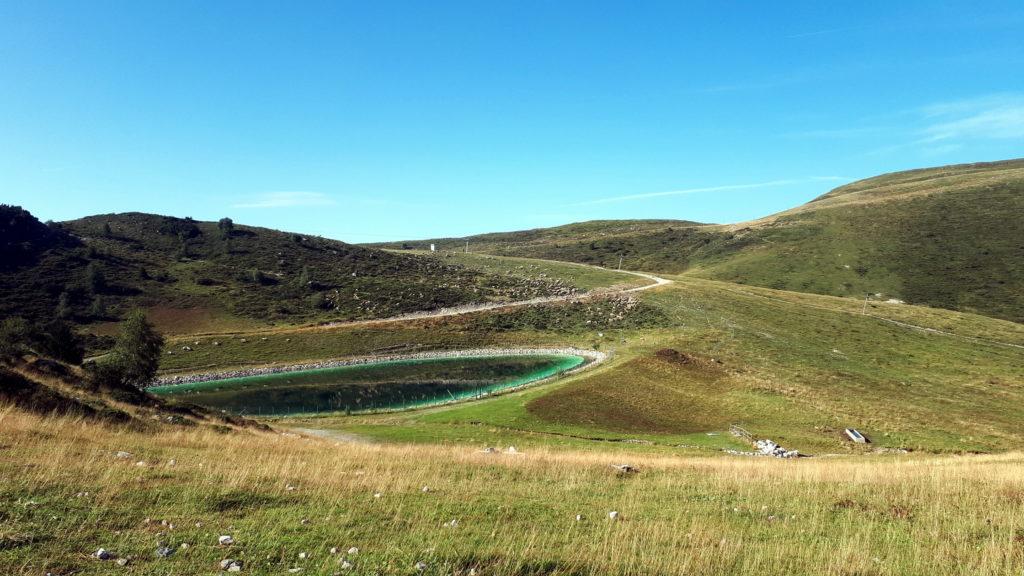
(467, 246)
(620, 261)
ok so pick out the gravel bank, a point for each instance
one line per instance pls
(592, 356)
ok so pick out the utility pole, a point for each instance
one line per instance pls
(620, 261)
(467, 246)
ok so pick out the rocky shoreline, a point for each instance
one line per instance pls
(592, 357)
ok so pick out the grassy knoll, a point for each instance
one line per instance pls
(948, 237)
(515, 514)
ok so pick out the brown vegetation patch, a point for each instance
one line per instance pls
(645, 395)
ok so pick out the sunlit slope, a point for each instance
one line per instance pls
(950, 237)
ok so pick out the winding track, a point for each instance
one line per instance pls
(656, 281)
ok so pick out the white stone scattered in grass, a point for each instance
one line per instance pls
(123, 455)
(172, 463)
(303, 555)
(425, 489)
(511, 450)
(103, 554)
(377, 494)
(225, 540)
(289, 488)
(579, 517)
(334, 550)
(353, 551)
(184, 545)
(230, 565)
(613, 515)
(304, 521)
(345, 564)
(453, 524)
(122, 561)
(420, 566)
(294, 570)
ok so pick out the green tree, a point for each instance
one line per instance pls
(64, 306)
(226, 226)
(304, 278)
(15, 334)
(98, 308)
(95, 280)
(137, 352)
(57, 339)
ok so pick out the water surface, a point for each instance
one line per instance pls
(386, 385)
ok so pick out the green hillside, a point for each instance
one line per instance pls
(949, 237)
(196, 276)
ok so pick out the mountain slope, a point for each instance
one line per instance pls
(187, 272)
(949, 237)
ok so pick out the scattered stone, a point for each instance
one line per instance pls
(172, 463)
(225, 540)
(625, 469)
(122, 561)
(102, 554)
(164, 551)
(230, 565)
(579, 517)
(141, 464)
(420, 566)
(294, 570)
(289, 488)
(613, 515)
(303, 555)
(304, 521)
(123, 455)
(453, 524)
(511, 450)
(489, 450)
(377, 494)
(184, 545)
(353, 551)
(345, 564)
(425, 489)
(333, 550)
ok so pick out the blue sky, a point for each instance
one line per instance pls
(368, 121)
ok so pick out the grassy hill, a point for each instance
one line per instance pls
(947, 237)
(195, 276)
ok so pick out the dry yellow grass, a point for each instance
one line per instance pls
(516, 513)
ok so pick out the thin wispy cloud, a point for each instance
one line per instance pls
(998, 117)
(704, 189)
(286, 200)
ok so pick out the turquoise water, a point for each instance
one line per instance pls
(386, 385)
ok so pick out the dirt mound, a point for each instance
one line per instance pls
(673, 356)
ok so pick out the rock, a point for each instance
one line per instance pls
(294, 570)
(141, 464)
(579, 517)
(303, 555)
(304, 521)
(289, 488)
(353, 551)
(345, 565)
(123, 455)
(511, 450)
(225, 540)
(377, 494)
(425, 489)
(230, 565)
(489, 450)
(184, 545)
(613, 515)
(164, 551)
(625, 469)
(172, 463)
(102, 554)
(420, 566)
(122, 561)
(333, 550)
(453, 524)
